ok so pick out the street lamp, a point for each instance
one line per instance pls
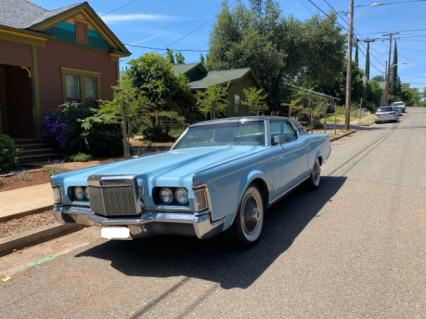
(374, 4)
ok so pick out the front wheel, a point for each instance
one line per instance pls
(315, 178)
(248, 223)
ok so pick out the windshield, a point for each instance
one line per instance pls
(230, 133)
(385, 109)
(398, 103)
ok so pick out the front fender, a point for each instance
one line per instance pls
(246, 180)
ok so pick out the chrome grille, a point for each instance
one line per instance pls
(114, 195)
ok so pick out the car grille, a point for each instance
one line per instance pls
(114, 196)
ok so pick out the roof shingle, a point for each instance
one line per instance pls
(22, 14)
(219, 77)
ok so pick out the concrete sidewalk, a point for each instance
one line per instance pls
(21, 200)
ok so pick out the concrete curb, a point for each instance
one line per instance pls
(25, 213)
(342, 136)
(35, 236)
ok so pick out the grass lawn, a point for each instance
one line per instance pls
(366, 117)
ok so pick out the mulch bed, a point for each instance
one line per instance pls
(22, 224)
(23, 179)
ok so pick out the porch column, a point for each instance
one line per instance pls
(36, 92)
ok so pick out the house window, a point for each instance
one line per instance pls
(72, 87)
(81, 32)
(80, 86)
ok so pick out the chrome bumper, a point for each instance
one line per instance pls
(148, 224)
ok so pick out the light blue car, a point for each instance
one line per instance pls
(219, 175)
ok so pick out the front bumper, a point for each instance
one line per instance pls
(148, 224)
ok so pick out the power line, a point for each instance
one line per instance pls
(326, 14)
(197, 28)
(119, 8)
(163, 49)
(391, 3)
(400, 31)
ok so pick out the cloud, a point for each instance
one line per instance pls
(117, 18)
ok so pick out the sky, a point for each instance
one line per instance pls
(186, 24)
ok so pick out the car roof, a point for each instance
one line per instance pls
(240, 119)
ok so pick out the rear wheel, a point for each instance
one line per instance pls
(315, 178)
(248, 223)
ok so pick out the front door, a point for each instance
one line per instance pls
(18, 108)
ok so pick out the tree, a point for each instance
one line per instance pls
(395, 84)
(410, 96)
(255, 100)
(202, 60)
(356, 53)
(248, 37)
(367, 62)
(373, 95)
(180, 59)
(213, 101)
(169, 56)
(148, 90)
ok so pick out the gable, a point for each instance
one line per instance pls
(66, 31)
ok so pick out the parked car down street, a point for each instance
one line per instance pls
(219, 175)
(386, 114)
(400, 104)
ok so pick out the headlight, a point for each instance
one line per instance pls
(79, 193)
(57, 197)
(166, 195)
(201, 199)
(86, 192)
(181, 195)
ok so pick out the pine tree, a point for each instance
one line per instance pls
(180, 59)
(356, 53)
(203, 60)
(367, 62)
(395, 87)
(169, 56)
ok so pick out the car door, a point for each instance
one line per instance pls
(290, 165)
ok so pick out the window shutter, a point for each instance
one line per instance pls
(81, 32)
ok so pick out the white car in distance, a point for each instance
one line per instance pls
(386, 114)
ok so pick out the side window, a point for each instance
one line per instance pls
(289, 132)
(284, 131)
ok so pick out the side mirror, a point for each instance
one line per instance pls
(279, 139)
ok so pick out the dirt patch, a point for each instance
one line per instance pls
(22, 224)
(23, 179)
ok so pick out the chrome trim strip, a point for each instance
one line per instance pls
(203, 225)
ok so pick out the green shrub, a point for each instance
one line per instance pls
(23, 176)
(52, 169)
(8, 154)
(80, 157)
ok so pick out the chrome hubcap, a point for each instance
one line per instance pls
(316, 174)
(251, 215)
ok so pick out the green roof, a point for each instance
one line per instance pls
(219, 77)
(184, 68)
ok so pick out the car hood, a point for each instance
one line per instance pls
(165, 168)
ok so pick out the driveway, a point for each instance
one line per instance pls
(355, 248)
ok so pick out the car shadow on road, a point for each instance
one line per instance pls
(216, 259)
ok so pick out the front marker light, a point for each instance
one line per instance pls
(166, 195)
(181, 195)
(201, 199)
(57, 196)
(79, 193)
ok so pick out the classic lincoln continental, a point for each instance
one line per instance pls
(219, 175)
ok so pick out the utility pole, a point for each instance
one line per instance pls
(349, 68)
(388, 69)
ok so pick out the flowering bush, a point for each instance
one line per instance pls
(53, 126)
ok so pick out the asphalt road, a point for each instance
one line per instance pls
(356, 248)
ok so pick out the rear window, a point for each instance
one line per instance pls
(385, 109)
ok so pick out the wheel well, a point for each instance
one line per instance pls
(320, 160)
(263, 189)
